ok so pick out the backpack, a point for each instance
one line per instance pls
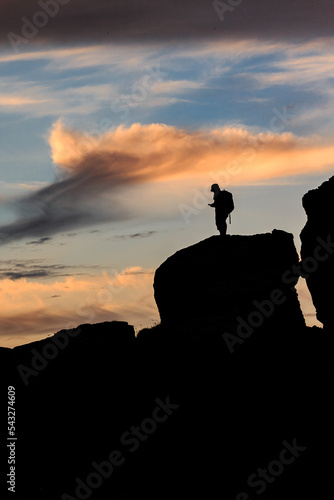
(226, 201)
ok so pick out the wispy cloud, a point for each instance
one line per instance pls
(177, 86)
(17, 101)
(41, 241)
(255, 67)
(14, 188)
(143, 234)
(17, 269)
(37, 99)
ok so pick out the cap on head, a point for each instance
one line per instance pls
(215, 187)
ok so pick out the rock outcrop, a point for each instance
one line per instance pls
(317, 250)
(173, 412)
(231, 281)
(104, 414)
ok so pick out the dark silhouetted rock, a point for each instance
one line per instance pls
(179, 411)
(230, 415)
(317, 250)
(224, 279)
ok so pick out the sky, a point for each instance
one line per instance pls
(115, 119)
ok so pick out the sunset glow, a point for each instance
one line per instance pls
(111, 138)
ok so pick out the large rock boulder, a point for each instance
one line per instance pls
(114, 415)
(317, 250)
(231, 281)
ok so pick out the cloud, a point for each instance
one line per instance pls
(130, 58)
(16, 269)
(298, 69)
(96, 170)
(17, 101)
(66, 204)
(143, 234)
(118, 81)
(31, 268)
(176, 86)
(157, 152)
(35, 99)
(41, 241)
(19, 188)
(27, 308)
(124, 20)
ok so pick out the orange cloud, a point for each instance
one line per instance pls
(96, 168)
(35, 309)
(158, 152)
(11, 100)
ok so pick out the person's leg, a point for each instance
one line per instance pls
(220, 222)
(222, 228)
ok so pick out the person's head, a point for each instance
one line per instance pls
(214, 188)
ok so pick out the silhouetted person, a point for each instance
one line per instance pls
(223, 204)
